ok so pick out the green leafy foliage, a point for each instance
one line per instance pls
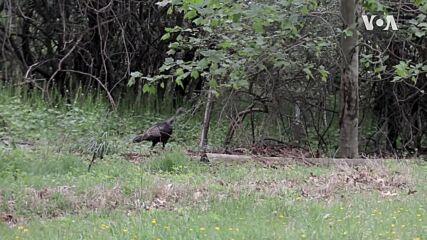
(405, 70)
(418, 26)
(229, 39)
(373, 5)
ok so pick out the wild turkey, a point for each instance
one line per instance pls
(159, 132)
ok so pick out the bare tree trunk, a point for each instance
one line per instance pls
(297, 127)
(349, 89)
(206, 121)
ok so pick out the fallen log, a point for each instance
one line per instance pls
(217, 157)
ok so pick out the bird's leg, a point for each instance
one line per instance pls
(152, 147)
(164, 144)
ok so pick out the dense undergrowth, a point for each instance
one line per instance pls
(85, 123)
(46, 191)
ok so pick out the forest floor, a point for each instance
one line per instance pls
(47, 192)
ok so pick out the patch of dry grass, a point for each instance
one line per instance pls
(52, 202)
(368, 178)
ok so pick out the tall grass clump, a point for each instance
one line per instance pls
(175, 162)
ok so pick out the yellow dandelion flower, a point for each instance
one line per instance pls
(392, 225)
(125, 230)
(191, 229)
(231, 229)
(217, 228)
(403, 225)
(20, 227)
(417, 238)
(303, 236)
(166, 227)
(237, 229)
(202, 229)
(104, 226)
(154, 221)
(345, 233)
(25, 230)
(418, 215)
(281, 216)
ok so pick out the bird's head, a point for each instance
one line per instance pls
(138, 139)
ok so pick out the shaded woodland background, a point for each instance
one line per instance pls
(274, 66)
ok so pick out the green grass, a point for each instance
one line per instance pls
(201, 201)
(46, 191)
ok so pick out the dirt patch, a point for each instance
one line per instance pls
(357, 179)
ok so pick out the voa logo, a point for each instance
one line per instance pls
(369, 22)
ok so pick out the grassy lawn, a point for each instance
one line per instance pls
(46, 191)
(172, 197)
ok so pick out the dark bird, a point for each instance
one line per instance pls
(204, 158)
(159, 132)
